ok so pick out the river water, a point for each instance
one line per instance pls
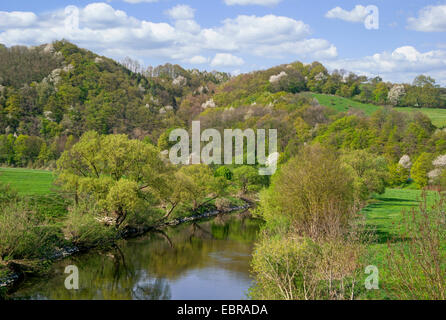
(209, 260)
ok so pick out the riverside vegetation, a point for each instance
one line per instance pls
(360, 179)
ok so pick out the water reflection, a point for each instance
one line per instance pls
(209, 260)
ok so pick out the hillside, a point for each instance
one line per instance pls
(61, 90)
(64, 91)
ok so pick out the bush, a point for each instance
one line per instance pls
(23, 235)
(223, 205)
(84, 227)
(296, 268)
(314, 192)
(417, 266)
(7, 195)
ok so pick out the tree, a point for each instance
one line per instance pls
(398, 175)
(247, 179)
(199, 185)
(314, 192)
(421, 168)
(114, 171)
(224, 172)
(396, 94)
(381, 93)
(7, 149)
(370, 172)
(27, 149)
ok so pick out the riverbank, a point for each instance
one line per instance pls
(16, 275)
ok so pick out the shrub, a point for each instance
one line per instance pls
(84, 227)
(223, 204)
(313, 191)
(296, 268)
(23, 235)
(285, 269)
(7, 195)
(417, 266)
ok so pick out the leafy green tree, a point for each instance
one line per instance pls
(370, 172)
(224, 172)
(200, 186)
(247, 179)
(398, 175)
(27, 149)
(381, 93)
(7, 149)
(421, 168)
(118, 173)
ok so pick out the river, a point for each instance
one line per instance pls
(209, 260)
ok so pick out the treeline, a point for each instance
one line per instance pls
(32, 151)
(298, 77)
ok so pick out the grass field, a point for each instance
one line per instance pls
(339, 104)
(384, 215)
(28, 182)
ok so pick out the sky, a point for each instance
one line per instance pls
(396, 39)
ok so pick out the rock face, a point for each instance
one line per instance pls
(179, 81)
(209, 104)
(49, 48)
(276, 78)
(166, 109)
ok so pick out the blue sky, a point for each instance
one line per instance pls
(243, 35)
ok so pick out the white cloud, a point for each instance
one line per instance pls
(114, 33)
(313, 49)
(17, 19)
(226, 60)
(430, 19)
(401, 65)
(181, 12)
(197, 60)
(358, 14)
(252, 31)
(252, 2)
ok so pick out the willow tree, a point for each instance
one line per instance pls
(116, 173)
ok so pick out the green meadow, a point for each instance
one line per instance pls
(340, 104)
(384, 214)
(28, 182)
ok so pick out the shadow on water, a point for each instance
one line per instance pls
(207, 260)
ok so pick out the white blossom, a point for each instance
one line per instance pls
(434, 174)
(396, 93)
(440, 161)
(405, 162)
(320, 77)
